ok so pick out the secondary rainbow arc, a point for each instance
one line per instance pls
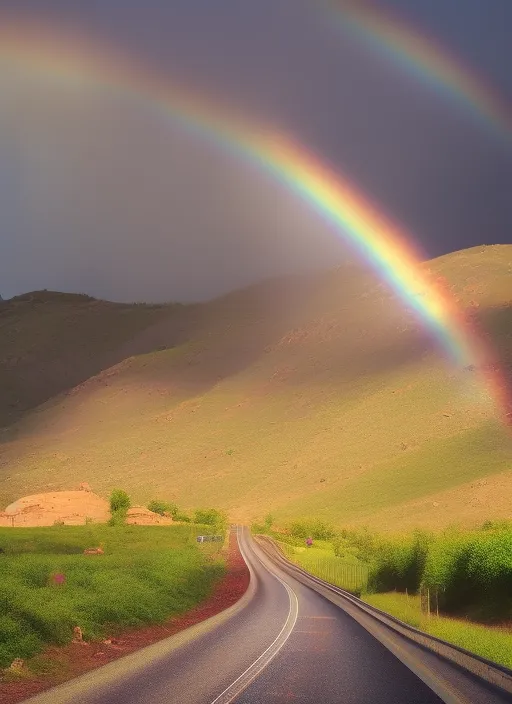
(409, 46)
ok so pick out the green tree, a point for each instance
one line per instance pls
(119, 505)
(119, 501)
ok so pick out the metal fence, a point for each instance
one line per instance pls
(210, 539)
(429, 600)
(347, 575)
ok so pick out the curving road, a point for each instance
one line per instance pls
(283, 642)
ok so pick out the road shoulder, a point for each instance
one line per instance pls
(68, 662)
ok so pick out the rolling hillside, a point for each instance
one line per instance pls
(50, 342)
(307, 395)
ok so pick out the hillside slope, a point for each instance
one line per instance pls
(52, 341)
(318, 395)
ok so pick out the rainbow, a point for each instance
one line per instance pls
(422, 56)
(356, 219)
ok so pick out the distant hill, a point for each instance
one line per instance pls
(50, 342)
(316, 395)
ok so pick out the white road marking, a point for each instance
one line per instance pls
(250, 674)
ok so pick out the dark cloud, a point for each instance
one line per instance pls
(101, 193)
(112, 198)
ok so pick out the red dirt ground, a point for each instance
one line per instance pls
(74, 660)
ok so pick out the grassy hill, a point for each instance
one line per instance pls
(306, 395)
(50, 342)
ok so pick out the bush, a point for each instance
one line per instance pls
(265, 527)
(163, 507)
(444, 560)
(490, 560)
(314, 528)
(182, 517)
(119, 501)
(390, 568)
(210, 517)
(117, 518)
(119, 505)
(366, 543)
(472, 572)
(342, 547)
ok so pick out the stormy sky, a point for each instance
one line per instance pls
(101, 193)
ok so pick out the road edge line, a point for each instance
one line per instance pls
(130, 664)
(256, 668)
(438, 684)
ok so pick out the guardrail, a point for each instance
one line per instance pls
(490, 672)
(332, 569)
(210, 538)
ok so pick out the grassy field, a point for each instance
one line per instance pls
(319, 560)
(492, 643)
(349, 572)
(145, 575)
(308, 396)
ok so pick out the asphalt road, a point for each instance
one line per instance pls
(284, 643)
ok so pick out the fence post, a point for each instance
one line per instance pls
(428, 602)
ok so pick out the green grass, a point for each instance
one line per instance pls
(312, 396)
(439, 464)
(492, 643)
(346, 573)
(146, 575)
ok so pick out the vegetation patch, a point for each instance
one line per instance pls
(119, 505)
(431, 581)
(495, 644)
(142, 575)
(320, 560)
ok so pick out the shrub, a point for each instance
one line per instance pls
(364, 541)
(390, 566)
(163, 507)
(268, 521)
(472, 572)
(314, 528)
(119, 505)
(342, 547)
(265, 527)
(117, 518)
(490, 559)
(445, 569)
(182, 517)
(210, 517)
(489, 574)
(119, 501)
